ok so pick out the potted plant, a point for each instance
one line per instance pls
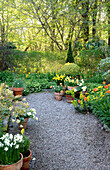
(69, 95)
(71, 82)
(21, 113)
(27, 153)
(18, 87)
(10, 147)
(58, 92)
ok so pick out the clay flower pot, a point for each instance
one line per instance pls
(24, 124)
(69, 98)
(15, 166)
(26, 161)
(70, 87)
(58, 96)
(17, 91)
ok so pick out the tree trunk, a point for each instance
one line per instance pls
(94, 18)
(85, 21)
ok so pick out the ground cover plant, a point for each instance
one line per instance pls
(97, 101)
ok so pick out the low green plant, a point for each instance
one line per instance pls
(25, 146)
(70, 92)
(70, 69)
(18, 83)
(57, 89)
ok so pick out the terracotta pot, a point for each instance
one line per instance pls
(69, 98)
(17, 91)
(64, 89)
(24, 124)
(70, 87)
(26, 161)
(15, 166)
(58, 96)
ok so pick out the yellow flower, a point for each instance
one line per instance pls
(37, 71)
(13, 120)
(22, 131)
(29, 73)
(24, 99)
(34, 69)
(25, 68)
(20, 70)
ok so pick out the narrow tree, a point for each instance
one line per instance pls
(70, 57)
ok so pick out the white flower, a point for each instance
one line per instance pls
(34, 159)
(82, 81)
(29, 113)
(34, 110)
(21, 126)
(6, 149)
(17, 146)
(36, 118)
(84, 88)
(11, 136)
(10, 108)
(7, 142)
(1, 144)
(75, 90)
(80, 84)
(11, 144)
(18, 121)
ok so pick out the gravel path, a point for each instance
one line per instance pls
(63, 139)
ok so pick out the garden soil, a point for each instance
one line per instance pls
(63, 139)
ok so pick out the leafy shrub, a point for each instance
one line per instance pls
(89, 59)
(104, 68)
(70, 69)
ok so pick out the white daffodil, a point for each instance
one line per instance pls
(10, 108)
(84, 88)
(36, 118)
(1, 144)
(21, 126)
(75, 90)
(17, 146)
(11, 136)
(29, 113)
(18, 121)
(6, 148)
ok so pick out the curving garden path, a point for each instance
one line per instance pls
(63, 139)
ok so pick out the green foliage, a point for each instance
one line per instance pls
(89, 59)
(70, 69)
(104, 68)
(101, 108)
(57, 89)
(70, 58)
(18, 83)
(25, 146)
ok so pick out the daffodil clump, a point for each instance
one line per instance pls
(21, 111)
(10, 147)
(70, 92)
(75, 82)
(96, 100)
(59, 79)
